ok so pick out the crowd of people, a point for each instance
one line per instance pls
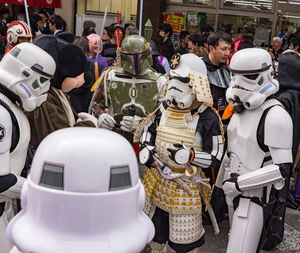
(190, 114)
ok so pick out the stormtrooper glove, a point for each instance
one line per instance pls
(130, 123)
(83, 116)
(231, 187)
(106, 121)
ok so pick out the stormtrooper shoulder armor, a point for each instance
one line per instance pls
(5, 130)
(278, 128)
(5, 140)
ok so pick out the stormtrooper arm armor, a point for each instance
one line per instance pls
(270, 174)
(10, 184)
(14, 185)
(277, 124)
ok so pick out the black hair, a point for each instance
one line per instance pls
(167, 28)
(128, 24)
(203, 39)
(158, 40)
(36, 18)
(43, 11)
(183, 34)
(296, 42)
(246, 44)
(59, 22)
(83, 43)
(215, 38)
(86, 32)
(132, 30)
(196, 39)
(227, 28)
(111, 30)
(88, 23)
(4, 11)
(207, 28)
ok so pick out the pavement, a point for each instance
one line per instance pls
(291, 243)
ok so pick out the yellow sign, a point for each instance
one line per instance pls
(175, 20)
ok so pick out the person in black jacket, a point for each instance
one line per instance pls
(2, 48)
(219, 45)
(166, 31)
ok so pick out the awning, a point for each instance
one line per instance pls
(43, 3)
(48, 3)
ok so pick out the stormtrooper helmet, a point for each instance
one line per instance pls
(82, 197)
(251, 78)
(187, 82)
(26, 70)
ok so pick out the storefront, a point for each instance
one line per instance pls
(94, 10)
(63, 8)
(265, 18)
(17, 10)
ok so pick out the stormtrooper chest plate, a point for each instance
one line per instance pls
(176, 126)
(124, 92)
(245, 153)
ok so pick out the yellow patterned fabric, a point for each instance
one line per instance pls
(185, 210)
(201, 88)
(169, 196)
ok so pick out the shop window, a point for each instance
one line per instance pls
(195, 2)
(258, 5)
(259, 28)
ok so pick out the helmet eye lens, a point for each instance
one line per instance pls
(252, 76)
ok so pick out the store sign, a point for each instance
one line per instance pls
(175, 20)
(192, 19)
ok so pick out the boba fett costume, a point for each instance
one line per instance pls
(128, 93)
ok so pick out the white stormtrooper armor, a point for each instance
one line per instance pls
(25, 74)
(259, 146)
(82, 197)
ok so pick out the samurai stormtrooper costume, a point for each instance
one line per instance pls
(25, 74)
(259, 147)
(186, 135)
(126, 94)
(82, 197)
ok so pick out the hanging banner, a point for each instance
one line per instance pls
(175, 20)
(18, 2)
(48, 3)
(43, 3)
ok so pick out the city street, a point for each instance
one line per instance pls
(291, 243)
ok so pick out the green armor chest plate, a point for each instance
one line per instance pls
(141, 93)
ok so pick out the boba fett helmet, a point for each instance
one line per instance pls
(136, 55)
